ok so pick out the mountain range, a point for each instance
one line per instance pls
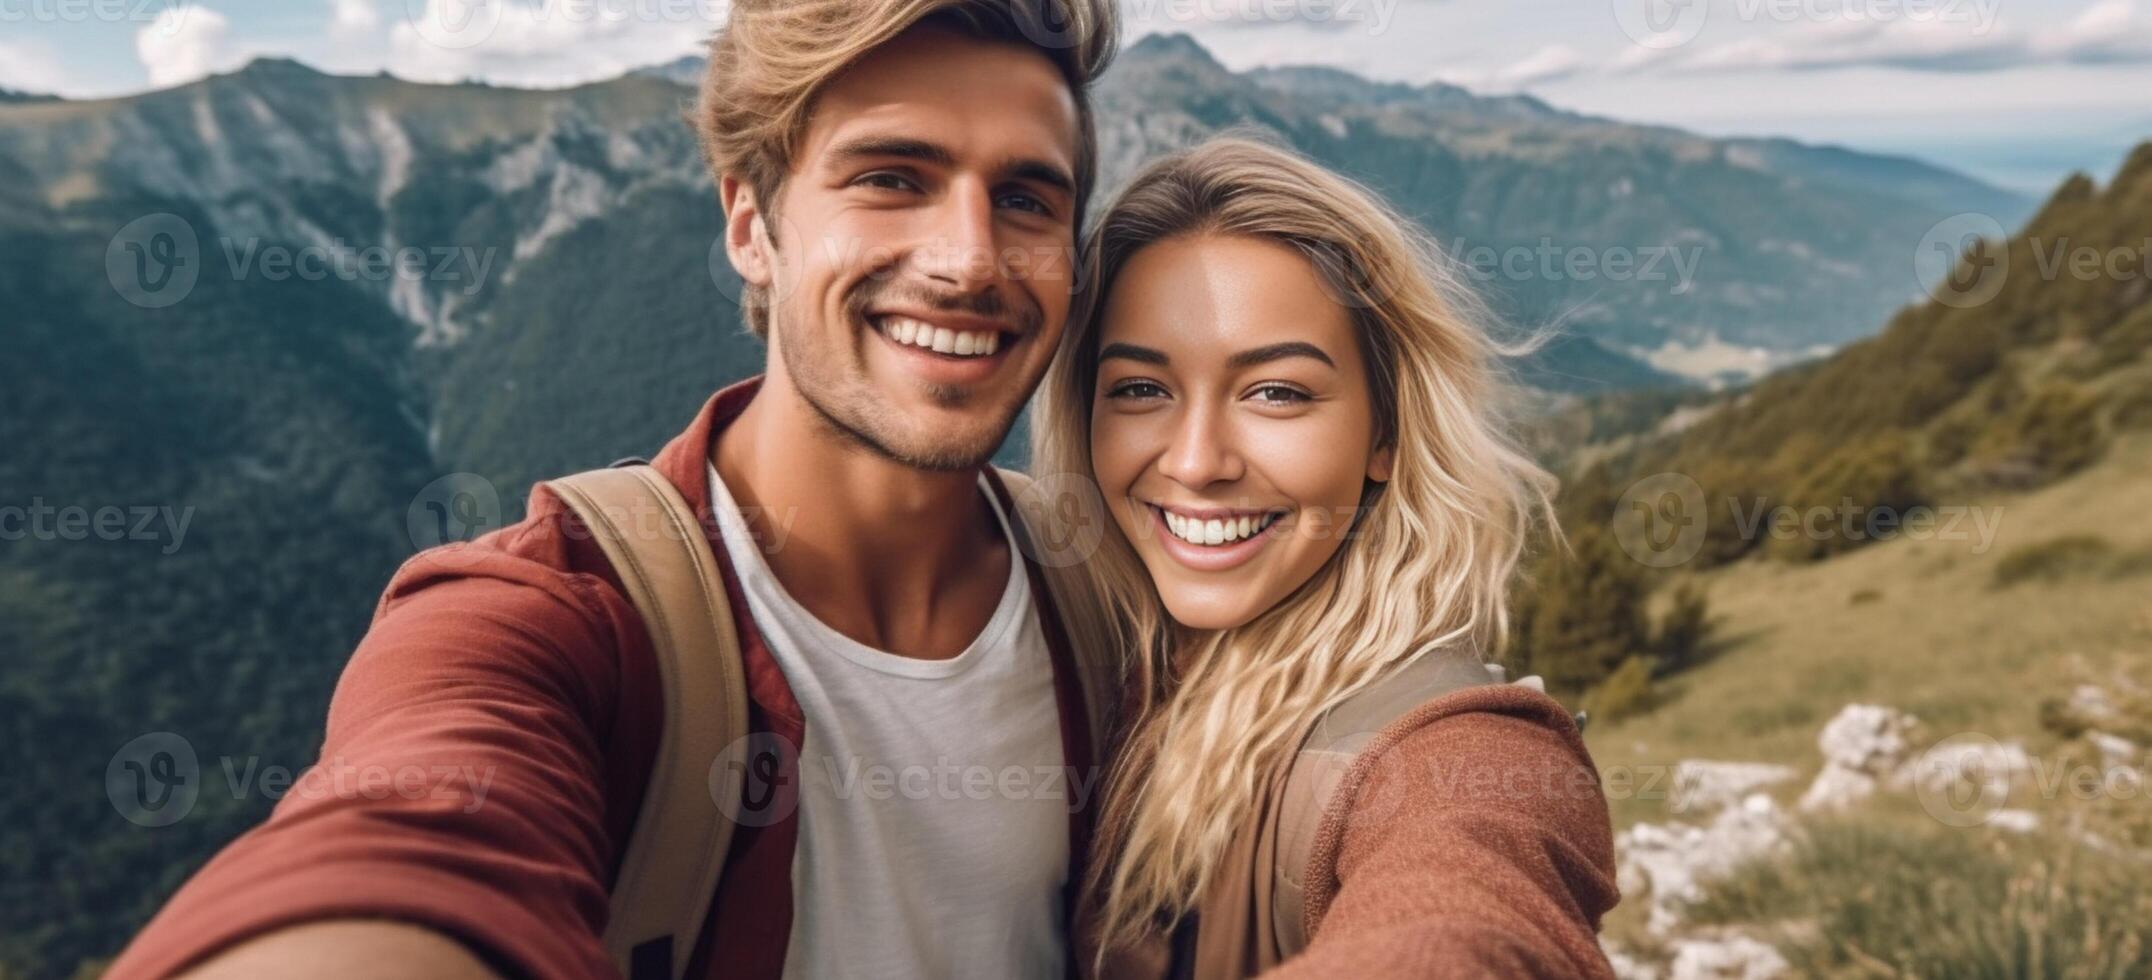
(172, 351)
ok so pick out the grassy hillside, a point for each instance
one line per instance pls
(1945, 520)
(1926, 628)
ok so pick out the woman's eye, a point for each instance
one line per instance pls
(1137, 390)
(1280, 395)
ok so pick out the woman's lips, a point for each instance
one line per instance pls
(1209, 557)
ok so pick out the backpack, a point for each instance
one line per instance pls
(676, 852)
(669, 870)
(675, 855)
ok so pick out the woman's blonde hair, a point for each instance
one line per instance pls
(770, 61)
(1425, 566)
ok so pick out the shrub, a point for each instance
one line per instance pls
(2052, 560)
(1625, 692)
(1683, 629)
(1584, 614)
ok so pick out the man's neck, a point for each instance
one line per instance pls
(898, 558)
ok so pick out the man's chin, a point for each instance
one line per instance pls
(931, 437)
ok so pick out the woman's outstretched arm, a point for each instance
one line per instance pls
(1471, 839)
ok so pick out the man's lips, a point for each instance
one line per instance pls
(949, 335)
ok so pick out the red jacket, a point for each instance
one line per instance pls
(515, 665)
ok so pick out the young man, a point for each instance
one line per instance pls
(902, 182)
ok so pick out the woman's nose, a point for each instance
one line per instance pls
(1202, 452)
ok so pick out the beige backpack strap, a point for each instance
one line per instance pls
(1330, 749)
(1058, 553)
(670, 867)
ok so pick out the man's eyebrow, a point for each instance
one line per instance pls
(903, 147)
(865, 147)
(1041, 172)
(1274, 352)
(1144, 355)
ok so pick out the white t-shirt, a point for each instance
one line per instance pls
(933, 813)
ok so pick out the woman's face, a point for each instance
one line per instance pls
(1232, 427)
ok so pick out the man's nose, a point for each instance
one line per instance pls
(960, 246)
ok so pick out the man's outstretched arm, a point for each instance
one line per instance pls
(457, 815)
(353, 949)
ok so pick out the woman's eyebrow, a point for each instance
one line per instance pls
(1132, 352)
(1275, 352)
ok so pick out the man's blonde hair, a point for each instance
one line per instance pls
(769, 62)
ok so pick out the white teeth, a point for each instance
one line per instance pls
(941, 340)
(1214, 531)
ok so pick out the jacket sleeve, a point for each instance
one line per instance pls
(459, 785)
(1476, 843)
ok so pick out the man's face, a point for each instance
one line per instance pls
(921, 274)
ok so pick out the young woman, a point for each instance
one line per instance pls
(1289, 412)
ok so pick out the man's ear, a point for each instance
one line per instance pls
(747, 236)
(1378, 466)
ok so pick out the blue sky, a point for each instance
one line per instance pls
(2017, 91)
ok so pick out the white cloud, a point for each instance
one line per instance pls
(2108, 32)
(1551, 63)
(29, 66)
(355, 17)
(545, 44)
(186, 43)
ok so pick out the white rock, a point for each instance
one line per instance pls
(1627, 967)
(1706, 785)
(2015, 821)
(1862, 742)
(1734, 957)
(2092, 703)
(1866, 738)
(1975, 761)
(1672, 862)
(2114, 749)
(1837, 788)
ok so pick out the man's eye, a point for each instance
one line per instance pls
(1137, 390)
(886, 180)
(1276, 394)
(1025, 202)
